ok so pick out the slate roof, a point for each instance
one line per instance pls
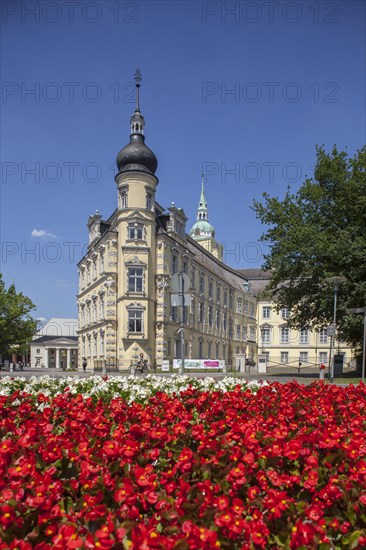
(43, 339)
(208, 262)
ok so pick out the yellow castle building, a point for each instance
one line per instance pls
(124, 299)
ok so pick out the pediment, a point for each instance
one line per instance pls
(135, 215)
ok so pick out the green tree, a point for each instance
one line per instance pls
(16, 325)
(315, 233)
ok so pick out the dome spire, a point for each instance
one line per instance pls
(137, 121)
(136, 156)
(202, 229)
(138, 78)
(202, 211)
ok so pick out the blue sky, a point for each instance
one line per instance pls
(242, 91)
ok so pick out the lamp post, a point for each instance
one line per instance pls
(336, 282)
(361, 310)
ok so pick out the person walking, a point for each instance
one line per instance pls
(84, 364)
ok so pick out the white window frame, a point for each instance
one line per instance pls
(266, 335)
(304, 336)
(284, 335)
(134, 278)
(323, 336)
(323, 357)
(284, 357)
(135, 317)
(285, 313)
(135, 231)
(304, 357)
(266, 312)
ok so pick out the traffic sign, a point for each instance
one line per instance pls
(180, 282)
(180, 300)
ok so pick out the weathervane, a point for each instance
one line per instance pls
(138, 78)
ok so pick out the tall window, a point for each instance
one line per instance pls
(101, 262)
(323, 357)
(135, 321)
(149, 201)
(304, 336)
(210, 315)
(185, 315)
(252, 310)
(193, 311)
(225, 297)
(135, 231)
(304, 356)
(217, 351)
(101, 307)
(193, 278)
(246, 306)
(202, 284)
(200, 349)
(135, 279)
(244, 333)
(95, 345)
(94, 310)
(174, 265)
(94, 268)
(266, 335)
(185, 267)
(174, 313)
(284, 357)
(89, 346)
(218, 293)
(123, 199)
(101, 347)
(218, 318)
(224, 321)
(266, 312)
(323, 336)
(210, 290)
(285, 314)
(285, 335)
(209, 348)
(201, 312)
(239, 305)
(238, 332)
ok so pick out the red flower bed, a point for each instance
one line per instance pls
(285, 468)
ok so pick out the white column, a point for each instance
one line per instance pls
(46, 357)
(57, 358)
(68, 360)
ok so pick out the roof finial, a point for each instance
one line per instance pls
(138, 78)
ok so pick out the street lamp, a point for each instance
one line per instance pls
(361, 310)
(336, 282)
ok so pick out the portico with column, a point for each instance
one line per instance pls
(58, 353)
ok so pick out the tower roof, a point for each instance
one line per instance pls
(202, 228)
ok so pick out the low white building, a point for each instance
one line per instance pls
(56, 345)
